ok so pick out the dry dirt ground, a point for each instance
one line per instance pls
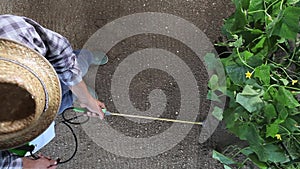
(78, 20)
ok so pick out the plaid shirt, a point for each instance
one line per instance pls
(10, 161)
(54, 47)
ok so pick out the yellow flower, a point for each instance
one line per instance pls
(278, 136)
(294, 81)
(248, 75)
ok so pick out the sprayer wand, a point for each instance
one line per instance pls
(107, 113)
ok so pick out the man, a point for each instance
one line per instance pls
(68, 66)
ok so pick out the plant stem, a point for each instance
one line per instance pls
(227, 149)
(289, 154)
(285, 129)
(226, 52)
(282, 68)
(279, 66)
(242, 60)
(272, 4)
(293, 88)
(234, 148)
(291, 60)
(267, 8)
(253, 12)
(281, 4)
(295, 139)
(282, 48)
(237, 153)
(243, 163)
(273, 85)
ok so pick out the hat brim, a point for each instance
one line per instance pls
(44, 70)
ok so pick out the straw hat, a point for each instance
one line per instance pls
(30, 94)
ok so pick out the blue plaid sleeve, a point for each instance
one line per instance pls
(53, 46)
(10, 161)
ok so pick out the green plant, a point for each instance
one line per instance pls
(262, 74)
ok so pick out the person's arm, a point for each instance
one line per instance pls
(41, 163)
(86, 99)
(60, 55)
(65, 63)
(10, 161)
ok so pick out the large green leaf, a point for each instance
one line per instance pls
(250, 36)
(275, 154)
(246, 55)
(210, 61)
(246, 151)
(271, 94)
(256, 7)
(286, 25)
(290, 124)
(212, 96)
(214, 65)
(250, 99)
(259, 45)
(230, 117)
(249, 91)
(270, 112)
(245, 4)
(226, 28)
(222, 158)
(250, 133)
(263, 53)
(272, 130)
(250, 103)
(286, 98)
(282, 112)
(257, 162)
(226, 167)
(232, 59)
(274, 9)
(263, 73)
(253, 82)
(261, 152)
(240, 19)
(218, 113)
(236, 73)
(269, 152)
(255, 60)
(213, 83)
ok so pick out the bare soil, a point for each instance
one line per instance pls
(78, 20)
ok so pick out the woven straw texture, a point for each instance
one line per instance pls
(27, 129)
(15, 74)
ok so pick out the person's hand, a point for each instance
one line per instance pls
(94, 106)
(41, 163)
(87, 100)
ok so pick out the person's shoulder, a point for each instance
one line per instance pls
(14, 17)
(10, 16)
